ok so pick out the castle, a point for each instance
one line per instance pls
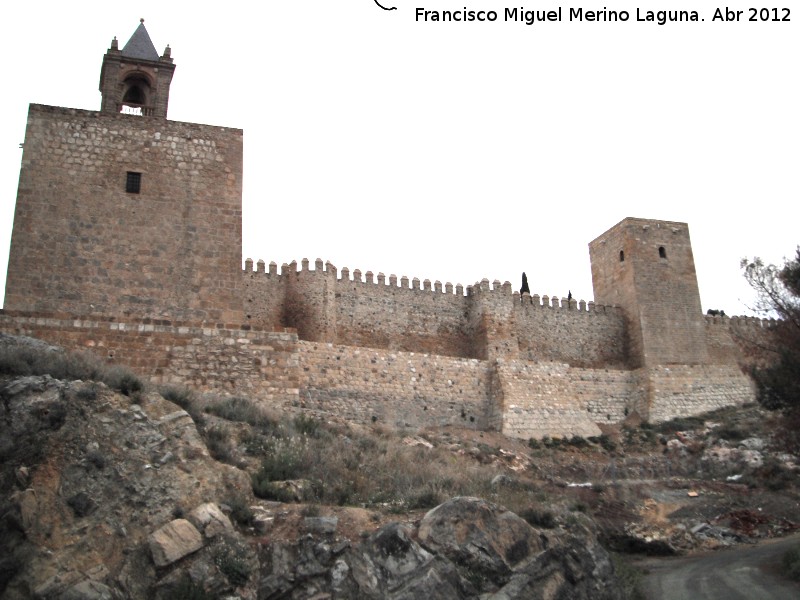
(127, 241)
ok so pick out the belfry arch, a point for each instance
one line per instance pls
(136, 80)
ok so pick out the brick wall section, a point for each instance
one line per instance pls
(683, 390)
(399, 389)
(571, 332)
(722, 348)
(739, 340)
(82, 245)
(359, 309)
(264, 294)
(373, 311)
(417, 318)
(217, 358)
(549, 398)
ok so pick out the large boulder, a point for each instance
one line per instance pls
(466, 548)
(173, 541)
(504, 556)
(481, 537)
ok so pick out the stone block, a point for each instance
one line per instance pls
(209, 519)
(173, 541)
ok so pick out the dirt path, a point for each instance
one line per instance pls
(742, 573)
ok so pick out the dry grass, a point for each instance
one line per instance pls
(350, 465)
(19, 360)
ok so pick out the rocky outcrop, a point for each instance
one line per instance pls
(464, 548)
(92, 482)
(111, 497)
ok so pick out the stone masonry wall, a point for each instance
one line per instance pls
(359, 309)
(399, 389)
(214, 358)
(682, 390)
(571, 332)
(738, 340)
(554, 399)
(419, 319)
(264, 294)
(81, 244)
(379, 312)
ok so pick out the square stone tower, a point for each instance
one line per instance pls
(646, 267)
(124, 213)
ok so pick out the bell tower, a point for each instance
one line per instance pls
(135, 80)
(123, 213)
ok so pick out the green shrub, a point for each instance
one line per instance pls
(578, 442)
(27, 360)
(731, 433)
(552, 442)
(311, 510)
(539, 518)
(186, 589)
(680, 424)
(790, 563)
(13, 362)
(579, 507)
(87, 392)
(340, 493)
(81, 365)
(178, 394)
(285, 459)
(606, 443)
(231, 560)
(123, 380)
(774, 475)
(629, 577)
(255, 444)
(218, 441)
(267, 490)
(425, 499)
(240, 410)
(307, 425)
(241, 512)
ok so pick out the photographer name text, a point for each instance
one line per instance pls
(582, 15)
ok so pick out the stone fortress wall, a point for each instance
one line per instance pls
(518, 384)
(153, 278)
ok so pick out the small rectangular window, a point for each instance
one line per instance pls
(133, 182)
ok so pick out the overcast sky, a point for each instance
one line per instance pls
(458, 151)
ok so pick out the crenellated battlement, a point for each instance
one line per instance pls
(740, 321)
(358, 276)
(404, 282)
(324, 303)
(536, 301)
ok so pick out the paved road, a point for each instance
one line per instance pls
(741, 573)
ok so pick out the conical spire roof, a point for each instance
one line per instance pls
(140, 46)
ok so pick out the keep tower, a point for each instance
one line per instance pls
(122, 213)
(136, 79)
(646, 267)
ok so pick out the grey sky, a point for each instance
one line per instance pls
(458, 151)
